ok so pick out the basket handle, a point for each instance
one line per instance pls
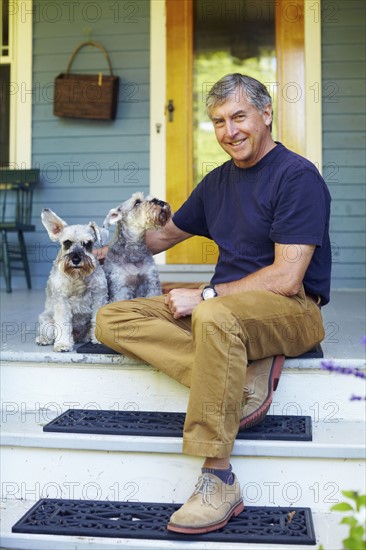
(89, 43)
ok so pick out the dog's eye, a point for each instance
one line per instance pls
(67, 244)
(137, 202)
(88, 245)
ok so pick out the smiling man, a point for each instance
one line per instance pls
(268, 210)
(242, 130)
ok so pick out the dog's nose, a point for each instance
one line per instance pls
(76, 259)
(159, 203)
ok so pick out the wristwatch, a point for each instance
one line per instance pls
(208, 292)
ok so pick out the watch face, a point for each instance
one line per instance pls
(208, 293)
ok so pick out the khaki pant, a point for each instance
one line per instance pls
(209, 351)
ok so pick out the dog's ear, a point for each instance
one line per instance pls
(101, 235)
(114, 216)
(138, 196)
(53, 224)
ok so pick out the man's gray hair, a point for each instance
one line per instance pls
(234, 85)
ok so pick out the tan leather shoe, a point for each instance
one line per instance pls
(261, 381)
(210, 507)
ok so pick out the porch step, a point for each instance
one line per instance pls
(148, 520)
(37, 464)
(39, 384)
(327, 529)
(38, 387)
(55, 382)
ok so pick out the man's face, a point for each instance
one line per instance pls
(242, 131)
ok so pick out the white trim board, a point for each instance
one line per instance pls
(313, 83)
(157, 104)
(21, 52)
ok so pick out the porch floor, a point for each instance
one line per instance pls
(344, 321)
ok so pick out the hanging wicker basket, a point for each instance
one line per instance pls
(86, 96)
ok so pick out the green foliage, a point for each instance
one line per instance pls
(356, 537)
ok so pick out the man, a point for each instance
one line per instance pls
(268, 211)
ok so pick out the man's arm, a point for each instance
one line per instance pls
(283, 277)
(156, 240)
(162, 239)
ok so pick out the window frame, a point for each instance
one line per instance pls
(20, 60)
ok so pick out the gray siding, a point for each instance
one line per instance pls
(343, 68)
(87, 167)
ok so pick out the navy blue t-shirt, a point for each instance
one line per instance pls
(282, 199)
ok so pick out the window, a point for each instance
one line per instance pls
(4, 86)
(15, 78)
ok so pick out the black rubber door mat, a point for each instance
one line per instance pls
(89, 348)
(145, 520)
(170, 424)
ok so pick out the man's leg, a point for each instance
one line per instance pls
(145, 329)
(261, 381)
(226, 332)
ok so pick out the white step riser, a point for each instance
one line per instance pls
(31, 473)
(55, 388)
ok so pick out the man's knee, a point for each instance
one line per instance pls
(102, 315)
(115, 322)
(115, 313)
(101, 322)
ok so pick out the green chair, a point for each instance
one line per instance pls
(16, 198)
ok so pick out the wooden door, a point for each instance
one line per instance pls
(289, 112)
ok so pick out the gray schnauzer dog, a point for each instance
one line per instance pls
(76, 288)
(129, 266)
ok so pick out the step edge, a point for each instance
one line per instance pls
(341, 439)
(73, 358)
(173, 445)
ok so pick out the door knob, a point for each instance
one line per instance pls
(170, 110)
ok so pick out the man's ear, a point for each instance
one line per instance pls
(268, 115)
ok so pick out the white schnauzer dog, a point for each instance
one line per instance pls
(77, 286)
(129, 265)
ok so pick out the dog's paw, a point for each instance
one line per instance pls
(42, 341)
(63, 346)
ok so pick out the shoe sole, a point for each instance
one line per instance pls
(257, 416)
(235, 511)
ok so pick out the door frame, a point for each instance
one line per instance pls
(158, 101)
(20, 59)
(157, 104)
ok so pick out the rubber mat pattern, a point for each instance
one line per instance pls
(145, 520)
(170, 424)
(89, 348)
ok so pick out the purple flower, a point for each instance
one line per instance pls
(354, 371)
(358, 398)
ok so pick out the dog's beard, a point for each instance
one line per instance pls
(83, 269)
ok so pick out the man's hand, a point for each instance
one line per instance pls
(100, 253)
(161, 239)
(182, 301)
